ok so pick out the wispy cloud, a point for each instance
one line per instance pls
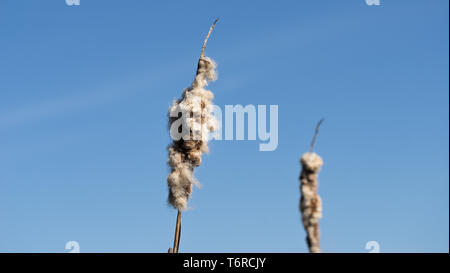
(52, 107)
(90, 97)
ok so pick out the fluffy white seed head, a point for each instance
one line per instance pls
(186, 154)
(310, 202)
(311, 161)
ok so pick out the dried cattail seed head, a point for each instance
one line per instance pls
(311, 161)
(310, 202)
(186, 153)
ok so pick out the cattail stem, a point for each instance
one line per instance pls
(207, 37)
(176, 240)
(311, 148)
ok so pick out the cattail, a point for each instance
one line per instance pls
(196, 123)
(310, 202)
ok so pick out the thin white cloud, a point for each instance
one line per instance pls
(85, 99)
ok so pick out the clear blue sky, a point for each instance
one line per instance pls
(84, 93)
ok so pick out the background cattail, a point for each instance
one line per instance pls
(196, 123)
(310, 202)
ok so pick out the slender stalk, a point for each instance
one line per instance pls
(176, 240)
(315, 135)
(207, 37)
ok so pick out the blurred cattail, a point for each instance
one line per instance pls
(196, 123)
(310, 202)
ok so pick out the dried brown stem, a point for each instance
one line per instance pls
(207, 37)
(203, 60)
(176, 240)
(315, 135)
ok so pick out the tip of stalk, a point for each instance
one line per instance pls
(207, 37)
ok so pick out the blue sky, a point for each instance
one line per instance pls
(84, 93)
